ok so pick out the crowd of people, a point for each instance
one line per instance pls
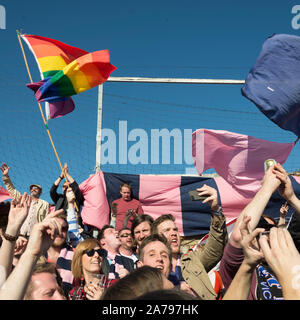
(49, 254)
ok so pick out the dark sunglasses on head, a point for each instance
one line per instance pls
(125, 235)
(91, 252)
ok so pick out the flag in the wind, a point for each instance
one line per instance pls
(273, 83)
(160, 194)
(65, 71)
(238, 158)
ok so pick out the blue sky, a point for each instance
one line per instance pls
(175, 39)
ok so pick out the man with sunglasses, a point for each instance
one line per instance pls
(126, 247)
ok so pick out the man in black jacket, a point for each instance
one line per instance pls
(60, 199)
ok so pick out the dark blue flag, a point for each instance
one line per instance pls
(273, 83)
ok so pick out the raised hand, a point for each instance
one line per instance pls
(212, 196)
(18, 212)
(270, 179)
(253, 254)
(282, 256)
(4, 169)
(285, 189)
(66, 169)
(43, 235)
(284, 210)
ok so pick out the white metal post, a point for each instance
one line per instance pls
(147, 80)
(99, 128)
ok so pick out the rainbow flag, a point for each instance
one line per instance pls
(65, 71)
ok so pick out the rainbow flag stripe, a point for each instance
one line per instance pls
(65, 71)
(80, 75)
(51, 55)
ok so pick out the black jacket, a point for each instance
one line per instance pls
(60, 199)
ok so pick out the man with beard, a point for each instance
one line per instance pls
(38, 209)
(190, 271)
(61, 255)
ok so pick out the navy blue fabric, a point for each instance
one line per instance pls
(113, 182)
(196, 216)
(273, 82)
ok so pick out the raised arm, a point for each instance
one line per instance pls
(16, 217)
(284, 259)
(8, 183)
(241, 283)
(67, 174)
(75, 187)
(41, 238)
(256, 206)
(283, 212)
(218, 237)
(73, 231)
(286, 188)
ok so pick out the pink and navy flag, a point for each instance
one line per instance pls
(237, 158)
(273, 83)
(160, 194)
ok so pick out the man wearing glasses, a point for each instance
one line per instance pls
(126, 248)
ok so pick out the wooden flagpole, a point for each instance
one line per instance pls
(41, 110)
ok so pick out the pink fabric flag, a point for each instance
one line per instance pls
(95, 211)
(4, 195)
(160, 194)
(238, 158)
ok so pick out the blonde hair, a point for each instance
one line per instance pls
(77, 258)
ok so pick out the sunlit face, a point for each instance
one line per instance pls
(156, 255)
(35, 191)
(92, 264)
(125, 193)
(170, 231)
(142, 231)
(45, 287)
(61, 239)
(110, 239)
(126, 239)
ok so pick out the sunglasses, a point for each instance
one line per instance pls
(125, 235)
(91, 252)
